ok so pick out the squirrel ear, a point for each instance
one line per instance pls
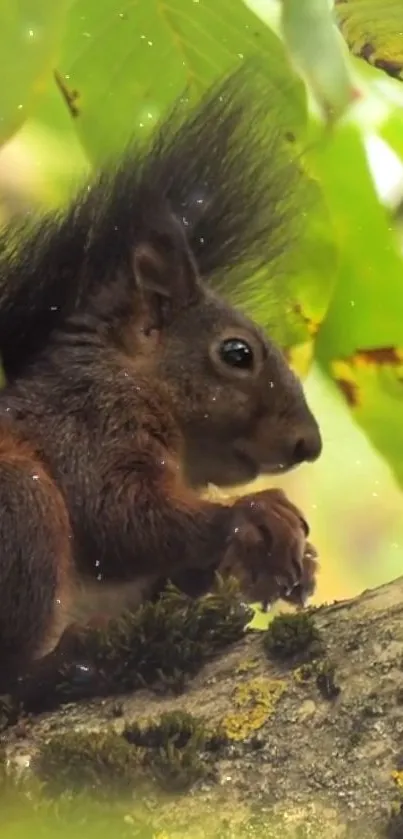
(163, 265)
(150, 270)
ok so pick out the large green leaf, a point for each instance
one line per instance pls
(359, 343)
(30, 36)
(123, 65)
(153, 52)
(373, 30)
(291, 296)
(372, 382)
(391, 130)
(310, 34)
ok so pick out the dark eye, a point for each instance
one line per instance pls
(237, 353)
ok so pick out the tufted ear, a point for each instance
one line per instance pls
(165, 270)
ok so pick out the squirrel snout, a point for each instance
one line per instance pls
(304, 445)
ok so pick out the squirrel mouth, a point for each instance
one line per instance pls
(256, 468)
(275, 468)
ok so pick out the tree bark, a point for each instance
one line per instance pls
(303, 759)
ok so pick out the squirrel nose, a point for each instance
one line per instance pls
(305, 446)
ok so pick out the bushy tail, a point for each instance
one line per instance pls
(219, 167)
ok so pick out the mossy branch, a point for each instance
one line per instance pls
(283, 732)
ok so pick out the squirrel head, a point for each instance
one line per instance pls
(241, 410)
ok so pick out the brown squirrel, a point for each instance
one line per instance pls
(131, 385)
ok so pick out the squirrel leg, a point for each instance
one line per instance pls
(34, 559)
(153, 526)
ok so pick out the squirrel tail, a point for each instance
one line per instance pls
(227, 175)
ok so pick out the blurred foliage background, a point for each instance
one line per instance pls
(80, 77)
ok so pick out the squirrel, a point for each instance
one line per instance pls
(131, 385)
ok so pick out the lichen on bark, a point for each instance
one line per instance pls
(318, 740)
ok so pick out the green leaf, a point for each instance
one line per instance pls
(122, 66)
(31, 31)
(290, 297)
(317, 48)
(359, 343)
(373, 31)
(372, 383)
(197, 42)
(370, 266)
(391, 130)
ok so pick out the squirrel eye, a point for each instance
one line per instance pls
(237, 353)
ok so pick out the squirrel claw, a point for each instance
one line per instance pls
(268, 551)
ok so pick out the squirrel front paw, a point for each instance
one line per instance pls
(267, 549)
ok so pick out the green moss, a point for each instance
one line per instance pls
(100, 762)
(324, 673)
(178, 769)
(293, 636)
(170, 752)
(176, 748)
(161, 645)
(304, 673)
(254, 702)
(176, 727)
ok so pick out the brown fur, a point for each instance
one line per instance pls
(124, 408)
